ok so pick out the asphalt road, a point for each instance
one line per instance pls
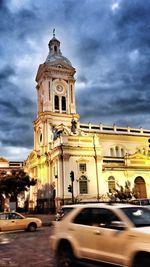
(25, 249)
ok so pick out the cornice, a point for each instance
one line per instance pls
(48, 71)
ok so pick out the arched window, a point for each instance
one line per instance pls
(122, 152)
(56, 102)
(71, 94)
(83, 185)
(112, 152)
(117, 151)
(63, 103)
(111, 184)
(55, 48)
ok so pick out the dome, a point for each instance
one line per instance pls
(55, 52)
(52, 58)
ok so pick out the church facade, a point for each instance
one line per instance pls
(75, 161)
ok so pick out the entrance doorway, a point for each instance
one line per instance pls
(140, 187)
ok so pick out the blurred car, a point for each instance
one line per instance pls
(117, 234)
(141, 201)
(11, 221)
(65, 209)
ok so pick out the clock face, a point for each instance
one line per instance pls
(59, 88)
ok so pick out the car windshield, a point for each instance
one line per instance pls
(138, 215)
(145, 202)
(66, 210)
(62, 212)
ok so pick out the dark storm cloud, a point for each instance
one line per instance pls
(6, 72)
(108, 42)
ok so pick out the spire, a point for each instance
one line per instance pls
(53, 33)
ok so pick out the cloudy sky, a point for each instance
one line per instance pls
(107, 41)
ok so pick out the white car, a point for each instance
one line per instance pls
(116, 234)
(64, 210)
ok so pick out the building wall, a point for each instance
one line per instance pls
(62, 143)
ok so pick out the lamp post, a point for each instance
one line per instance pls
(96, 167)
(72, 180)
(62, 160)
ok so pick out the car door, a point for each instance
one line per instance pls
(85, 234)
(4, 222)
(110, 242)
(16, 221)
(96, 240)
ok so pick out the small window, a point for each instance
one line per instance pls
(82, 167)
(41, 137)
(111, 184)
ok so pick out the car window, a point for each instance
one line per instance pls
(4, 216)
(139, 216)
(84, 217)
(145, 202)
(136, 202)
(100, 217)
(62, 213)
(66, 210)
(14, 216)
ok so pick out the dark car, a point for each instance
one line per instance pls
(141, 202)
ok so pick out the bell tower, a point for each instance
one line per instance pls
(56, 108)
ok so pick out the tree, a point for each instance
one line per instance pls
(15, 182)
(123, 193)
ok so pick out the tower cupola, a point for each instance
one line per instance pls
(55, 52)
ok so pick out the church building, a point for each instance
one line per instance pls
(74, 161)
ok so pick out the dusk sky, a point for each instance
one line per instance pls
(108, 43)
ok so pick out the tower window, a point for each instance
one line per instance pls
(56, 102)
(71, 94)
(63, 103)
(55, 48)
(49, 91)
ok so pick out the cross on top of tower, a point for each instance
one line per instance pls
(53, 33)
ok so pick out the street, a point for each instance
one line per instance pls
(27, 249)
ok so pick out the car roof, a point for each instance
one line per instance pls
(71, 205)
(100, 204)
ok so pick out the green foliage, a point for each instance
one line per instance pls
(15, 182)
(123, 193)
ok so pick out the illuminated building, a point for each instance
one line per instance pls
(6, 168)
(100, 156)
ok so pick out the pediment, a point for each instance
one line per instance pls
(3, 160)
(60, 65)
(33, 155)
(137, 155)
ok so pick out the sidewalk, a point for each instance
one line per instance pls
(45, 218)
